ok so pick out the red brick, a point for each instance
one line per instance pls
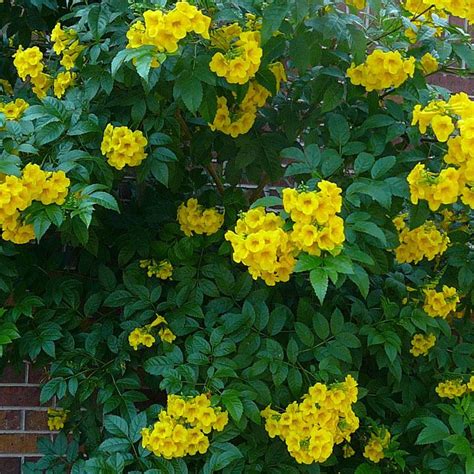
(36, 375)
(13, 375)
(10, 465)
(18, 443)
(19, 396)
(36, 421)
(453, 83)
(10, 420)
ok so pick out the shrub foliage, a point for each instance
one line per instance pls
(138, 144)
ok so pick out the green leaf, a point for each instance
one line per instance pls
(116, 426)
(105, 200)
(377, 121)
(418, 214)
(114, 445)
(332, 97)
(143, 65)
(363, 162)
(321, 326)
(295, 381)
(371, 229)
(382, 166)
(41, 224)
(339, 129)
(98, 19)
(433, 432)
(367, 469)
(118, 299)
(50, 132)
(304, 333)
(319, 281)
(190, 90)
(292, 351)
(339, 264)
(50, 389)
(273, 16)
(337, 322)
(332, 161)
(231, 400)
(118, 60)
(267, 201)
(361, 279)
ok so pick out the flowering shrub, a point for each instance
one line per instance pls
(239, 234)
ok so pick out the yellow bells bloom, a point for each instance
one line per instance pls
(429, 63)
(443, 127)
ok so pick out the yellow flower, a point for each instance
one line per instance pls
(382, 70)
(429, 63)
(63, 81)
(28, 62)
(123, 146)
(442, 127)
(56, 418)
(193, 218)
(421, 344)
(14, 110)
(166, 335)
(313, 427)
(451, 389)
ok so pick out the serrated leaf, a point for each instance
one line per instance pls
(319, 281)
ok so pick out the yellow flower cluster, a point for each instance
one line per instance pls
(181, 429)
(317, 227)
(194, 219)
(445, 118)
(143, 336)
(425, 241)
(438, 114)
(455, 388)
(123, 146)
(437, 189)
(162, 270)
(459, 8)
(421, 344)
(242, 118)
(440, 303)
(13, 110)
(429, 64)
(382, 70)
(17, 194)
(165, 30)
(66, 43)
(63, 81)
(261, 243)
(29, 64)
(374, 449)
(359, 4)
(323, 419)
(242, 54)
(56, 418)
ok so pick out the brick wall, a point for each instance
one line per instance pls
(22, 419)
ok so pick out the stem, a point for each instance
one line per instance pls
(394, 30)
(217, 180)
(256, 194)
